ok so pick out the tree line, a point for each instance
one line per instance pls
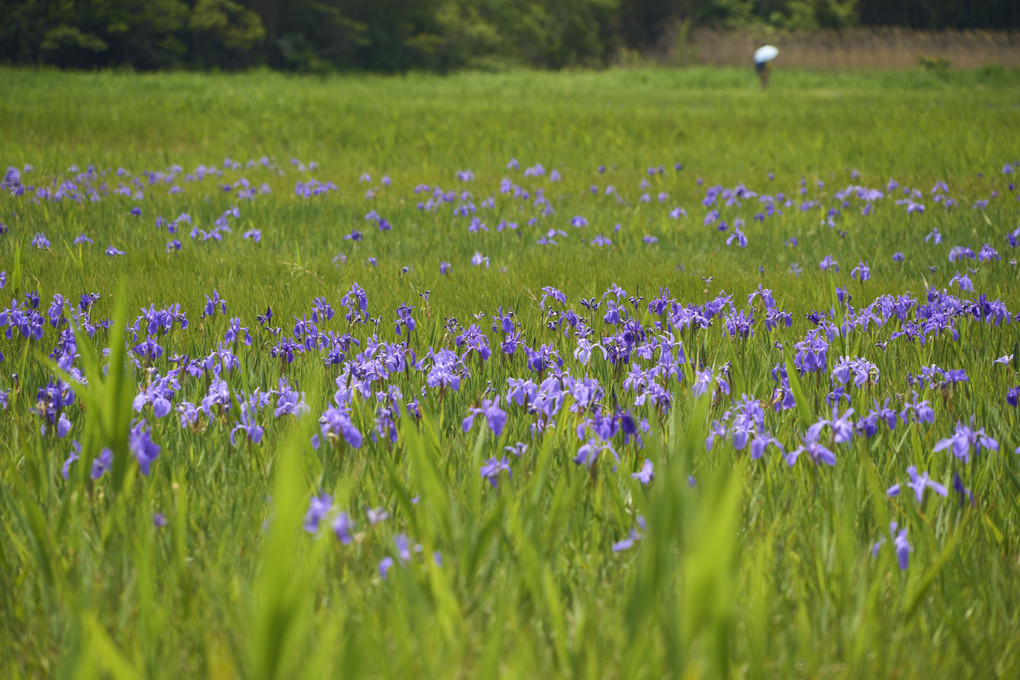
(442, 35)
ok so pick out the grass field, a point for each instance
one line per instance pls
(703, 332)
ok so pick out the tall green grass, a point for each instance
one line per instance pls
(755, 570)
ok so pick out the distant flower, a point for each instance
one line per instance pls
(40, 241)
(136, 211)
(632, 537)
(902, 547)
(518, 449)
(964, 439)
(828, 263)
(71, 458)
(253, 234)
(444, 267)
(627, 543)
(248, 425)
(897, 257)
(211, 303)
(376, 515)
(113, 251)
(81, 238)
(811, 446)
(491, 469)
(645, 474)
(318, 508)
(962, 281)
(159, 520)
(342, 526)
(965, 493)
(141, 445)
(919, 483)
(494, 416)
(861, 272)
(101, 464)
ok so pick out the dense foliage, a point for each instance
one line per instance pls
(396, 35)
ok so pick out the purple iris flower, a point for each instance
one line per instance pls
(962, 281)
(494, 416)
(902, 547)
(318, 508)
(761, 442)
(590, 450)
(632, 537)
(141, 445)
(211, 303)
(645, 474)
(491, 469)
(919, 483)
(74, 455)
(342, 526)
(335, 424)
(811, 446)
(376, 515)
(101, 464)
(627, 543)
(965, 493)
(964, 439)
(861, 272)
(248, 425)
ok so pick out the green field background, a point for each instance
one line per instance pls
(759, 570)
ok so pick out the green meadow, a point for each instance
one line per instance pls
(739, 565)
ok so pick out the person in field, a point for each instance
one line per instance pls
(762, 56)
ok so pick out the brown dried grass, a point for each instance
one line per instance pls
(859, 48)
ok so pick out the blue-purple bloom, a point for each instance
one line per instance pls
(494, 416)
(919, 483)
(900, 544)
(491, 469)
(318, 508)
(645, 474)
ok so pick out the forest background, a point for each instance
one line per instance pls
(445, 35)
